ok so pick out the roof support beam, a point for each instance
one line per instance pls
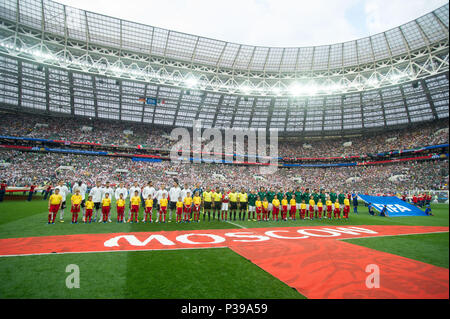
(72, 94)
(94, 89)
(217, 110)
(404, 102)
(430, 99)
(238, 100)
(143, 103)
(180, 97)
(382, 107)
(154, 110)
(271, 107)
(47, 90)
(19, 82)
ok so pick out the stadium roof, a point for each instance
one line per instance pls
(95, 65)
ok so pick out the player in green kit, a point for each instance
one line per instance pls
(323, 196)
(280, 194)
(252, 196)
(306, 198)
(289, 195)
(270, 196)
(298, 198)
(333, 197)
(341, 198)
(316, 197)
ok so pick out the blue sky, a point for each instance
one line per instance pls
(267, 22)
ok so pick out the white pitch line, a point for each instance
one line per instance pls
(377, 236)
(109, 251)
(240, 226)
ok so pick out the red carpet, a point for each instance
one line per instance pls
(335, 269)
(309, 259)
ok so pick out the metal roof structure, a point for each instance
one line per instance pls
(59, 59)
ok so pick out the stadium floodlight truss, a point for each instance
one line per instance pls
(423, 42)
(60, 37)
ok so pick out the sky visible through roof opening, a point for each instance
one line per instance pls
(278, 23)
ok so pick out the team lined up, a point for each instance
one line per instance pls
(262, 205)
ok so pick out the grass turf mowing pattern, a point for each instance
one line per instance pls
(194, 273)
(428, 248)
(25, 219)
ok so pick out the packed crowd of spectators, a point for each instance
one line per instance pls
(26, 168)
(109, 132)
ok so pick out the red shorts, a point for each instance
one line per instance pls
(179, 210)
(311, 208)
(337, 210)
(293, 209)
(75, 209)
(284, 208)
(187, 209)
(258, 210)
(163, 209)
(346, 209)
(303, 211)
(106, 209)
(148, 209)
(320, 209)
(196, 208)
(134, 208)
(53, 209)
(329, 209)
(120, 209)
(276, 209)
(88, 212)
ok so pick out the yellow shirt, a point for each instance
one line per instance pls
(319, 204)
(302, 206)
(336, 205)
(217, 197)
(106, 201)
(328, 203)
(265, 204)
(89, 204)
(207, 196)
(135, 200)
(293, 203)
(312, 202)
(284, 202)
(197, 200)
(180, 204)
(76, 199)
(276, 202)
(149, 203)
(163, 202)
(258, 203)
(233, 197)
(120, 202)
(55, 199)
(346, 202)
(243, 197)
(188, 201)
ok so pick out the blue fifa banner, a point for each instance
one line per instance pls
(151, 101)
(394, 205)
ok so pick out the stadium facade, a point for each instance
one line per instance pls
(59, 60)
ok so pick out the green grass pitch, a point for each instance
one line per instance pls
(193, 273)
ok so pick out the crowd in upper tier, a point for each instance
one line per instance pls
(28, 168)
(110, 132)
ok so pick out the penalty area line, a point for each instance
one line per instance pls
(240, 226)
(110, 251)
(378, 236)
